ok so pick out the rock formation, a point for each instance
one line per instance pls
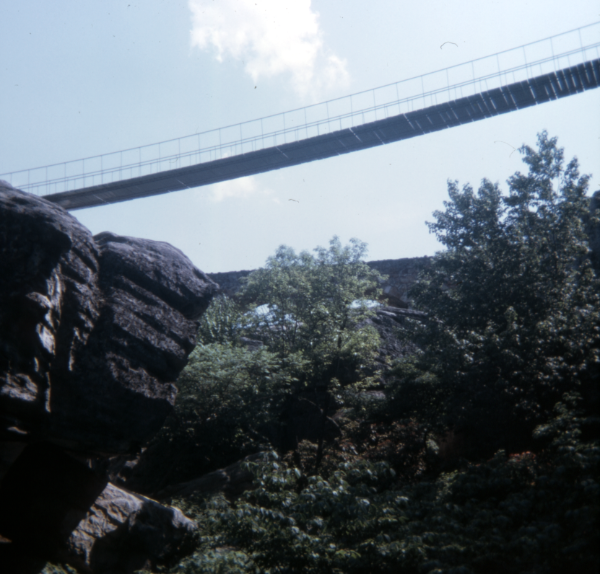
(94, 331)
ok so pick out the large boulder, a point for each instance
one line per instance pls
(93, 330)
(50, 301)
(52, 506)
(123, 532)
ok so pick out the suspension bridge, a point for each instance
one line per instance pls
(529, 75)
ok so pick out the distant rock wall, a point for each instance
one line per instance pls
(401, 276)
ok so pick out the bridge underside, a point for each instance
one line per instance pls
(486, 104)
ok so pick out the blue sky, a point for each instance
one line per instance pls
(81, 78)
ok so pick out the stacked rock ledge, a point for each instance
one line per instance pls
(94, 332)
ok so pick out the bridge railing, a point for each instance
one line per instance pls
(514, 65)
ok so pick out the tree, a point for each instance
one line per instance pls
(228, 397)
(511, 340)
(513, 303)
(232, 397)
(315, 305)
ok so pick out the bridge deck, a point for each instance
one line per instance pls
(516, 96)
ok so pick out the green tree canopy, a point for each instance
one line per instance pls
(508, 350)
(316, 304)
(513, 301)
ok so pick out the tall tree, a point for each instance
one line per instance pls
(315, 305)
(513, 302)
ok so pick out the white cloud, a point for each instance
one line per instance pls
(241, 188)
(270, 37)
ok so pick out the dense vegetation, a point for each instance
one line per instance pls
(484, 455)
(483, 458)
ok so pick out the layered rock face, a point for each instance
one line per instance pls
(94, 331)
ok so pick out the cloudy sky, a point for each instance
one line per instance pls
(86, 77)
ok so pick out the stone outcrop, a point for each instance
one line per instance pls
(387, 321)
(54, 507)
(43, 496)
(124, 532)
(94, 332)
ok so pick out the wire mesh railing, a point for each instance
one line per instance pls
(498, 70)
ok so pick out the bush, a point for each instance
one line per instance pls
(525, 513)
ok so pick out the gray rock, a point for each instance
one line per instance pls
(93, 330)
(43, 496)
(49, 302)
(388, 322)
(123, 532)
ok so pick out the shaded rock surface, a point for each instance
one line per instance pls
(52, 506)
(49, 302)
(388, 321)
(123, 532)
(43, 496)
(161, 464)
(93, 330)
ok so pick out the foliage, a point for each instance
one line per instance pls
(223, 322)
(240, 392)
(229, 397)
(419, 481)
(513, 302)
(509, 514)
(58, 569)
(233, 398)
(314, 306)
